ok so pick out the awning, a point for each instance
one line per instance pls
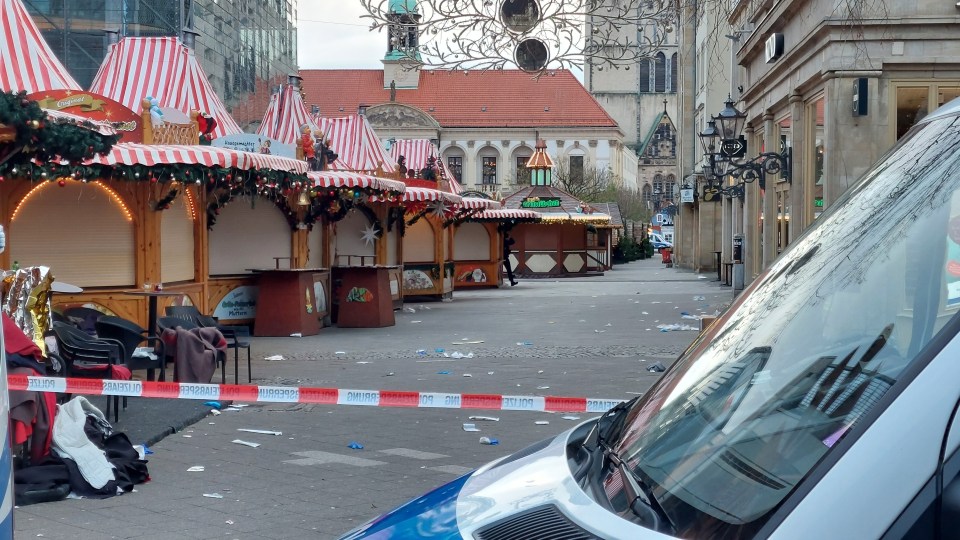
(564, 217)
(163, 68)
(420, 194)
(102, 128)
(416, 152)
(506, 214)
(475, 203)
(152, 154)
(356, 144)
(337, 179)
(284, 117)
(26, 61)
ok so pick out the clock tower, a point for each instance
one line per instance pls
(401, 64)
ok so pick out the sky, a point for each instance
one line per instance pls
(331, 34)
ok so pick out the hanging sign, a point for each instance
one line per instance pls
(686, 195)
(256, 144)
(540, 202)
(95, 107)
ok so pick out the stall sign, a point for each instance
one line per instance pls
(256, 144)
(240, 303)
(540, 202)
(129, 125)
(686, 195)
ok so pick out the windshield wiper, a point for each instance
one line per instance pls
(610, 425)
(651, 512)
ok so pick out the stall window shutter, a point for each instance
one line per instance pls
(176, 242)
(248, 236)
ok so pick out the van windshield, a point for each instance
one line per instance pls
(809, 349)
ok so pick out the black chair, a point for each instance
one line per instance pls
(131, 335)
(238, 337)
(83, 318)
(88, 357)
(172, 323)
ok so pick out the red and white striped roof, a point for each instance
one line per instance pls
(474, 203)
(507, 213)
(163, 68)
(285, 115)
(421, 194)
(356, 143)
(26, 61)
(337, 179)
(208, 156)
(417, 152)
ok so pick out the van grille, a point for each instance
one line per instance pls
(542, 523)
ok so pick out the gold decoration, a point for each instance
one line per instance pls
(26, 299)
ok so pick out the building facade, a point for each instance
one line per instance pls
(242, 45)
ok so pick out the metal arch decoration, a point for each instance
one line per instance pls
(535, 35)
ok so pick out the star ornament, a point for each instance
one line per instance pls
(439, 208)
(369, 235)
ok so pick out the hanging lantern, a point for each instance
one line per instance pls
(303, 199)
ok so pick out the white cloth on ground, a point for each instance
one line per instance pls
(71, 442)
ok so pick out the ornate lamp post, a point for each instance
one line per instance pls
(724, 148)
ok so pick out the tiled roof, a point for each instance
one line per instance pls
(611, 209)
(457, 98)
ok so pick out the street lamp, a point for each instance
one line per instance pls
(726, 160)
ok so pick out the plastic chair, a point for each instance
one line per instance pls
(83, 318)
(238, 337)
(172, 323)
(88, 357)
(131, 335)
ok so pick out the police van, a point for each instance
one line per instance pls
(6, 455)
(822, 404)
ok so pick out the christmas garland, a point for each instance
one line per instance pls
(168, 199)
(31, 135)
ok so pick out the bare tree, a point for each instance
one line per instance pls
(586, 184)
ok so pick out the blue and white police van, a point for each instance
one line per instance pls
(823, 404)
(6, 456)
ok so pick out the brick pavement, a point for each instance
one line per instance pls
(589, 337)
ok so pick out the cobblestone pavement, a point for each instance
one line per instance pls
(589, 337)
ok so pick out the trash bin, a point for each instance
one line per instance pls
(666, 253)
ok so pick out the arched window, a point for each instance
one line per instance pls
(673, 74)
(644, 67)
(669, 187)
(647, 193)
(660, 72)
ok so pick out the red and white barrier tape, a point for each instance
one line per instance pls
(325, 396)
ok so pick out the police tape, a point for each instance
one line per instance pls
(323, 396)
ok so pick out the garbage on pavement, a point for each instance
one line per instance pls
(489, 441)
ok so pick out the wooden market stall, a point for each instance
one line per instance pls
(478, 246)
(351, 201)
(570, 236)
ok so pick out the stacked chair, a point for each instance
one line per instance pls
(89, 357)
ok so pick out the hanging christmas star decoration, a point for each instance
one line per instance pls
(439, 208)
(370, 234)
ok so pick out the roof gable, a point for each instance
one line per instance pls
(462, 98)
(662, 118)
(26, 61)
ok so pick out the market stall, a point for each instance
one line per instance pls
(351, 203)
(567, 239)
(478, 246)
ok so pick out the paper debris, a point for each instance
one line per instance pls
(363, 362)
(656, 368)
(229, 522)
(570, 417)
(274, 358)
(443, 373)
(543, 388)
(467, 375)
(232, 409)
(260, 431)
(470, 427)
(409, 310)
(340, 352)
(213, 495)
(296, 334)
(488, 440)
(215, 412)
(188, 436)
(542, 422)
(246, 443)
(196, 468)
(608, 324)
(415, 322)
(599, 331)
(472, 342)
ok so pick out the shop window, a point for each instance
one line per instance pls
(523, 173)
(489, 170)
(455, 164)
(912, 106)
(945, 94)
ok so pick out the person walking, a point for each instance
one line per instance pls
(507, 243)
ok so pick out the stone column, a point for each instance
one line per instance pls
(687, 139)
(800, 197)
(751, 232)
(770, 144)
(726, 234)
(470, 166)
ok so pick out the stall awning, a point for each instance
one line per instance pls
(572, 217)
(417, 152)
(337, 179)
(506, 214)
(420, 194)
(285, 116)
(26, 61)
(163, 68)
(152, 154)
(475, 203)
(356, 144)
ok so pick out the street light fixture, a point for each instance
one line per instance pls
(727, 159)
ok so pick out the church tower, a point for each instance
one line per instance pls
(401, 65)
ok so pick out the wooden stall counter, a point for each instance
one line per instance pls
(291, 301)
(362, 296)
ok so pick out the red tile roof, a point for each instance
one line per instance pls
(456, 98)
